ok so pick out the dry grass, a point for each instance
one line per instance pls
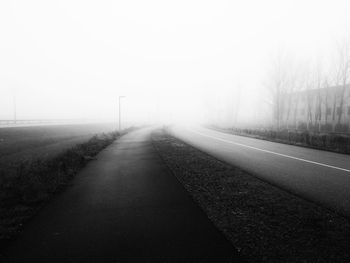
(339, 143)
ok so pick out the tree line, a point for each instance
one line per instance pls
(311, 96)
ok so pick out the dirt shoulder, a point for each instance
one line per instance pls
(265, 223)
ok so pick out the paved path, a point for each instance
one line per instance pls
(124, 207)
(320, 176)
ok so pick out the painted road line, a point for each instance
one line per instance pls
(271, 152)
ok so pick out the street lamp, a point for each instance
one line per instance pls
(120, 113)
(15, 109)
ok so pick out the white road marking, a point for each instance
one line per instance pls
(271, 152)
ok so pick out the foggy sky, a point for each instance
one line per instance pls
(72, 59)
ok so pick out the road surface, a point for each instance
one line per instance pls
(124, 207)
(319, 176)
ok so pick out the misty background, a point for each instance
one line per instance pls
(188, 61)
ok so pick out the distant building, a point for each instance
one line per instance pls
(324, 110)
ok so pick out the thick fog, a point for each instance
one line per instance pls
(188, 61)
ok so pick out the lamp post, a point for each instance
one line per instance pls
(120, 113)
(15, 108)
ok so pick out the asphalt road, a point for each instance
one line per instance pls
(124, 207)
(319, 176)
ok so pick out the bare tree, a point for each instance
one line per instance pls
(309, 101)
(237, 103)
(319, 86)
(278, 86)
(326, 99)
(341, 79)
(291, 88)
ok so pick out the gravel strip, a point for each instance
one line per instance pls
(265, 223)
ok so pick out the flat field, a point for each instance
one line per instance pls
(18, 144)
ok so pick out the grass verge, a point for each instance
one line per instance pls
(265, 223)
(339, 143)
(30, 184)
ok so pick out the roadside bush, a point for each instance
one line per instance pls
(326, 127)
(302, 126)
(341, 128)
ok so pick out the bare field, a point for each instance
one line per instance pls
(28, 143)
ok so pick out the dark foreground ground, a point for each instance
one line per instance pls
(126, 206)
(36, 162)
(265, 223)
